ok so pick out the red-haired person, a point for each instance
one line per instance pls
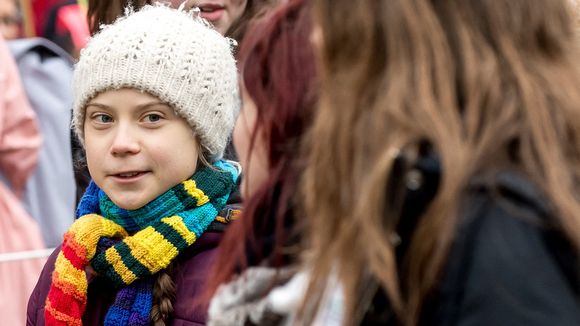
(278, 96)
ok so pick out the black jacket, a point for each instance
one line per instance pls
(509, 263)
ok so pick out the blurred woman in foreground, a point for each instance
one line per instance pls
(442, 183)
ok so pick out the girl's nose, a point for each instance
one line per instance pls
(125, 141)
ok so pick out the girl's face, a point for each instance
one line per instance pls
(221, 13)
(254, 160)
(137, 147)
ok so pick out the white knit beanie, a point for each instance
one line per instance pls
(171, 54)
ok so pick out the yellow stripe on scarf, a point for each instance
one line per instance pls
(177, 224)
(193, 191)
(88, 229)
(116, 261)
(151, 249)
(67, 273)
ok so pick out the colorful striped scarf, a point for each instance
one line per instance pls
(149, 238)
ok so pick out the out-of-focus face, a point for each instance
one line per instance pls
(221, 13)
(254, 160)
(137, 147)
(9, 23)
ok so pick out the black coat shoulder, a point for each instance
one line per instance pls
(510, 263)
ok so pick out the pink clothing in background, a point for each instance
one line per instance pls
(19, 134)
(41, 9)
(19, 145)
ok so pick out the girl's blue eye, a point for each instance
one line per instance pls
(103, 118)
(153, 117)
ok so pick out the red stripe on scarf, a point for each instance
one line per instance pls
(70, 289)
(70, 309)
(67, 302)
(53, 317)
(71, 255)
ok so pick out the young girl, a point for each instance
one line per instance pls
(154, 106)
(442, 186)
(232, 21)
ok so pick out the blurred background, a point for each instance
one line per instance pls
(61, 21)
(39, 42)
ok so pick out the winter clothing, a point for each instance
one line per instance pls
(132, 305)
(19, 143)
(255, 298)
(269, 296)
(189, 272)
(20, 139)
(169, 54)
(509, 263)
(148, 239)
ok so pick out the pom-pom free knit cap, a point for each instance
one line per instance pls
(171, 54)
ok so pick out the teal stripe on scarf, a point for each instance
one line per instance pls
(197, 223)
(130, 260)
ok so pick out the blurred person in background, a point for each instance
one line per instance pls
(63, 22)
(66, 25)
(229, 17)
(19, 144)
(10, 20)
(45, 70)
(46, 73)
(442, 186)
(40, 13)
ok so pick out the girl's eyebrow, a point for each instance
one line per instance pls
(153, 103)
(99, 105)
(138, 107)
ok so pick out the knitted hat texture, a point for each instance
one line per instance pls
(171, 54)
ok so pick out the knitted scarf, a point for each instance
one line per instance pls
(144, 241)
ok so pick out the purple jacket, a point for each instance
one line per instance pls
(189, 275)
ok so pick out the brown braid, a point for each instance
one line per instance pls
(163, 297)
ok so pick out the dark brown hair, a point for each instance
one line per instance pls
(107, 11)
(255, 9)
(470, 77)
(163, 297)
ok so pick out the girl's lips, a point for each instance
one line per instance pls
(211, 13)
(129, 177)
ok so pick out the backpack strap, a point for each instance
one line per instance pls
(229, 213)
